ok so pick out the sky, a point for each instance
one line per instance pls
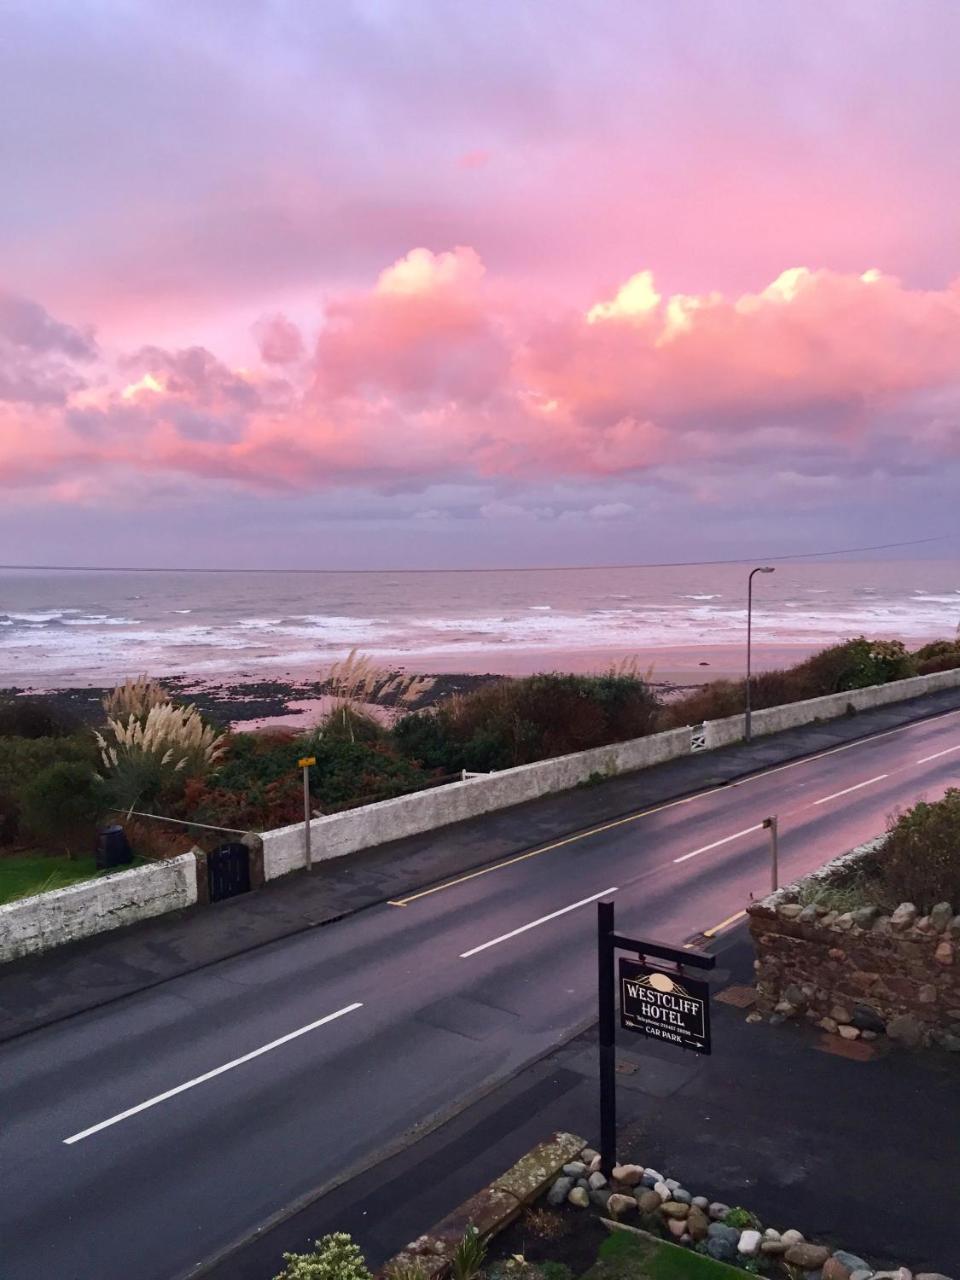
(430, 283)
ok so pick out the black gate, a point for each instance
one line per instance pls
(228, 871)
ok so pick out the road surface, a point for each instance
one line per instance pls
(144, 1137)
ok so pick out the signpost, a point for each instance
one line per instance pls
(304, 763)
(771, 825)
(658, 1000)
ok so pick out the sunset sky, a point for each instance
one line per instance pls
(408, 283)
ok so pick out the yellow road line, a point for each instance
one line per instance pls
(711, 933)
(644, 813)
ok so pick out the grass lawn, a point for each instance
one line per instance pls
(624, 1256)
(37, 873)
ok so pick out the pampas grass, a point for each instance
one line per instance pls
(174, 736)
(134, 698)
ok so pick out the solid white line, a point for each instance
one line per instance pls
(504, 937)
(209, 1075)
(726, 840)
(937, 754)
(846, 791)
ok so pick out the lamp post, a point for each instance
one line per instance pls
(765, 568)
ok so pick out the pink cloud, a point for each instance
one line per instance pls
(435, 371)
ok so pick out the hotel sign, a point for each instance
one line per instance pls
(671, 1007)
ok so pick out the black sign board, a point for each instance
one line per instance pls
(666, 1006)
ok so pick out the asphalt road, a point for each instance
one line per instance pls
(144, 1137)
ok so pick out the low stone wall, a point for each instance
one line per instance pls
(374, 824)
(721, 733)
(859, 973)
(48, 920)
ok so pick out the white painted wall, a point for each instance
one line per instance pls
(373, 824)
(50, 919)
(720, 733)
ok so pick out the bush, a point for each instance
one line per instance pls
(948, 661)
(920, 860)
(35, 718)
(147, 760)
(335, 1257)
(938, 649)
(511, 722)
(21, 759)
(62, 804)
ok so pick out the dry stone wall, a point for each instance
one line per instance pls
(861, 973)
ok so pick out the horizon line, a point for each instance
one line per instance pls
(663, 564)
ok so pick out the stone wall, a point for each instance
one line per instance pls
(859, 973)
(47, 920)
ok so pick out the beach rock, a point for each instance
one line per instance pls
(579, 1197)
(619, 1205)
(559, 1191)
(674, 1209)
(749, 1243)
(905, 1029)
(904, 916)
(628, 1175)
(698, 1224)
(940, 916)
(649, 1202)
(808, 1256)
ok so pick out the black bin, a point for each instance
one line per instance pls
(113, 849)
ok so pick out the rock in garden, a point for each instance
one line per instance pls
(867, 1019)
(720, 1231)
(904, 916)
(836, 1269)
(850, 1260)
(927, 994)
(652, 1173)
(619, 1204)
(683, 1196)
(719, 1210)
(849, 1033)
(649, 1202)
(588, 1154)
(950, 1042)
(662, 1190)
(808, 1256)
(559, 1191)
(944, 954)
(954, 926)
(749, 1243)
(900, 1274)
(840, 1013)
(906, 1029)
(829, 1024)
(940, 916)
(791, 1237)
(582, 1182)
(579, 1197)
(770, 1234)
(701, 1202)
(722, 1250)
(600, 1196)
(923, 925)
(596, 1181)
(698, 1224)
(672, 1183)
(677, 1228)
(864, 917)
(808, 915)
(773, 1247)
(789, 910)
(575, 1169)
(930, 1275)
(869, 1035)
(594, 1165)
(628, 1175)
(674, 1209)
(844, 921)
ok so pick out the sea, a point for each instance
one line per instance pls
(95, 626)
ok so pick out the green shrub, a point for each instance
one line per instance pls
(35, 718)
(21, 759)
(937, 649)
(920, 860)
(62, 804)
(335, 1257)
(468, 1256)
(741, 1218)
(512, 722)
(948, 661)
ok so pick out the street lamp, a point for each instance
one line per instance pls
(766, 568)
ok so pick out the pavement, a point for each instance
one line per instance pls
(848, 1149)
(148, 1135)
(40, 990)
